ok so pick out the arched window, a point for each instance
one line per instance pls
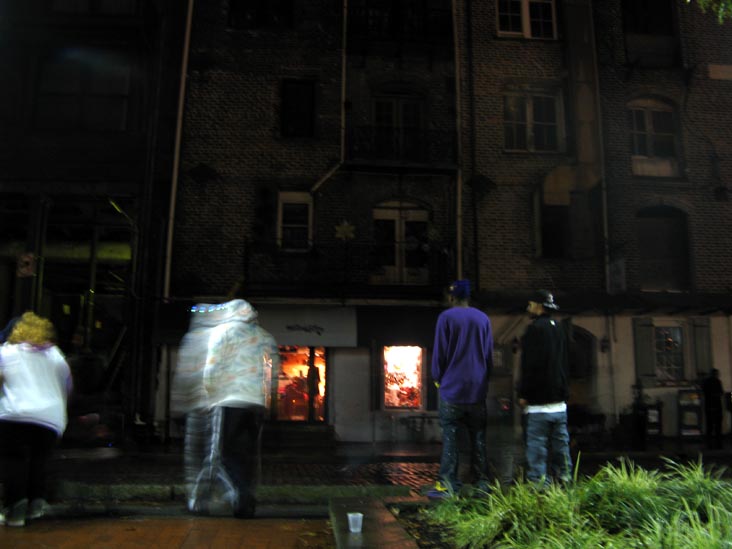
(654, 138)
(663, 249)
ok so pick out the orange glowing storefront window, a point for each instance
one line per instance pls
(301, 384)
(403, 377)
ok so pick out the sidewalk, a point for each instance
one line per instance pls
(155, 473)
(296, 484)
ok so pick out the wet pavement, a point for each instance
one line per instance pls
(134, 496)
(170, 533)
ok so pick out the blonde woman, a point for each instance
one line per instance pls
(35, 383)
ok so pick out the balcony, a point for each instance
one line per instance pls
(389, 146)
(356, 269)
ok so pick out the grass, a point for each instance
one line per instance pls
(622, 506)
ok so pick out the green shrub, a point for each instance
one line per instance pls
(621, 507)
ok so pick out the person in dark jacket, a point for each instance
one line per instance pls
(543, 392)
(713, 393)
(462, 360)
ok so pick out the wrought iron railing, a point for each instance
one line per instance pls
(410, 145)
(351, 267)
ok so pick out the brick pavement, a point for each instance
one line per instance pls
(170, 533)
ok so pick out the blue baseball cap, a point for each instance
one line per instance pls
(460, 289)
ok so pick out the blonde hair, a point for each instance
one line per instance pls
(32, 329)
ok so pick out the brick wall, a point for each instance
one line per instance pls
(702, 106)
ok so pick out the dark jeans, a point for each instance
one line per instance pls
(222, 453)
(714, 427)
(547, 447)
(25, 449)
(452, 417)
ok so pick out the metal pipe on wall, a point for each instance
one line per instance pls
(459, 152)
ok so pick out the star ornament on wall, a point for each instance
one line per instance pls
(345, 231)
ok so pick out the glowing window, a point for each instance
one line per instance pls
(403, 377)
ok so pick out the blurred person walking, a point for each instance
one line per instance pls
(543, 392)
(35, 383)
(222, 385)
(462, 361)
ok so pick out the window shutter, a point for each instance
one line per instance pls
(702, 341)
(645, 360)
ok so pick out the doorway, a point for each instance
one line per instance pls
(300, 385)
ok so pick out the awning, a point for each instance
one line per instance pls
(310, 325)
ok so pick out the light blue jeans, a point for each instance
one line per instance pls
(547, 447)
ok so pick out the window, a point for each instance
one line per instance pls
(648, 16)
(88, 90)
(671, 351)
(295, 220)
(663, 249)
(300, 384)
(531, 123)
(398, 128)
(401, 247)
(650, 33)
(105, 7)
(407, 20)
(403, 377)
(298, 108)
(527, 18)
(653, 138)
(257, 14)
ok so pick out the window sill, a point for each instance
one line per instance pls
(513, 36)
(522, 152)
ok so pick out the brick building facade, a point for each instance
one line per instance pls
(343, 161)
(340, 162)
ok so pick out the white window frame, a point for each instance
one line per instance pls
(292, 197)
(526, 21)
(650, 165)
(559, 111)
(400, 213)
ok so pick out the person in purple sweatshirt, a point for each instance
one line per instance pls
(462, 360)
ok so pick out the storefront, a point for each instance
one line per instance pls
(307, 337)
(362, 370)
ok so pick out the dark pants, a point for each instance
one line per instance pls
(714, 427)
(472, 417)
(25, 449)
(222, 448)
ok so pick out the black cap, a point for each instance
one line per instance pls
(545, 298)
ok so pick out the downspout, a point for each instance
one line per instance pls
(609, 323)
(165, 351)
(458, 146)
(176, 151)
(471, 103)
(334, 169)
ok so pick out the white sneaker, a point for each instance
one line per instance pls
(37, 508)
(15, 514)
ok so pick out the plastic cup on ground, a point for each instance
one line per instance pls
(355, 522)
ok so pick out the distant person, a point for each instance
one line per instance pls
(35, 383)
(462, 361)
(543, 392)
(713, 395)
(222, 384)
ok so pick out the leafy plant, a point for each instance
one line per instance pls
(622, 506)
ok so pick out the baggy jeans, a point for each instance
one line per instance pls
(473, 417)
(547, 447)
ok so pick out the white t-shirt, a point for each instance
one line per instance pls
(36, 382)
